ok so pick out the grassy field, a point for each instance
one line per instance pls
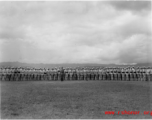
(74, 99)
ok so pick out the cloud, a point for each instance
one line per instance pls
(74, 32)
(134, 6)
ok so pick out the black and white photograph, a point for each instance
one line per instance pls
(76, 59)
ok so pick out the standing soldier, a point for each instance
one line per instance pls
(74, 74)
(52, 74)
(0, 74)
(144, 75)
(84, 74)
(150, 73)
(104, 74)
(140, 74)
(100, 74)
(6, 74)
(126, 75)
(119, 75)
(23, 74)
(66, 74)
(20, 74)
(27, 74)
(49, 74)
(59, 74)
(62, 74)
(122, 73)
(112, 75)
(93, 74)
(87, 74)
(70, 73)
(115, 75)
(147, 74)
(78, 73)
(123, 76)
(56, 74)
(131, 75)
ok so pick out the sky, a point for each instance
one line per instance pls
(76, 32)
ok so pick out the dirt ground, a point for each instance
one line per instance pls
(74, 99)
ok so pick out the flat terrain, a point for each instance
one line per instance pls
(74, 99)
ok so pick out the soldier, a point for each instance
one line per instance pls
(73, 73)
(26, 74)
(70, 74)
(56, 74)
(144, 75)
(20, 74)
(115, 75)
(119, 75)
(32, 74)
(3, 74)
(0, 74)
(104, 74)
(107, 75)
(150, 73)
(85, 74)
(78, 73)
(131, 75)
(48, 74)
(126, 76)
(59, 74)
(6, 74)
(66, 74)
(100, 74)
(96, 74)
(62, 74)
(35, 74)
(112, 75)
(93, 74)
(23, 74)
(147, 74)
(89, 74)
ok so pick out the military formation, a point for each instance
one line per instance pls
(78, 73)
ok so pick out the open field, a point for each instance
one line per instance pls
(74, 99)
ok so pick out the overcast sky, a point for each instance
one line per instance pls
(76, 32)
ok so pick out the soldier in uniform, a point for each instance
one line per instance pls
(1, 74)
(115, 76)
(112, 75)
(85, 73)
(70, 74)
(131, 76)
(7, 75)
(66, 74)
(62, 74)
(104, 74)
(59, 74)
(78, 73)
(100, 74)
(147, 74)
(49, 74)
(93, 74)
(127, 76)
(73, 74)
(56, 74)
(151, 74)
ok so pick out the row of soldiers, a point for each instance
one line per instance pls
(78, 73)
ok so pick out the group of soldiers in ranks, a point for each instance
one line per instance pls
(78, 73)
